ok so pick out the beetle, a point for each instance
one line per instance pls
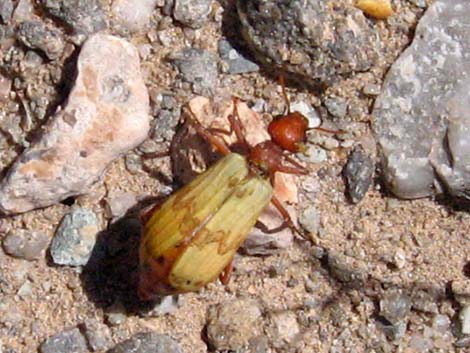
(191, 239)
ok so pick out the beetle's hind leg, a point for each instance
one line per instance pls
(285, 215)
(225, 275)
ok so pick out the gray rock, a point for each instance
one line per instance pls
(149, 342)
(133, 15)
(358, 172)
(98, 335)
(336, 106)
(133, 163)
(192, 13)
(70, 341)
(394, 332)
(231, 325)
(347, 269)
(116, 315)
(6, 10)
(282, 328)
(421, 117)
(198, 67)
(25, 244)
(83, 16)
(106, 115)
(36, 35)
(309, 38)
(395, 306)
(310, 219)
(75, 238)
(236, 62)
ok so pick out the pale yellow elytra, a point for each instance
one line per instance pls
(194, 235)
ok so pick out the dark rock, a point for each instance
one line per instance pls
(36, 35)
(83, 16)
(236, 62)
(359, 172)
(314, 39)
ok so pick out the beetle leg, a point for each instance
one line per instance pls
(206, 135)
(300, 169)
(224, 276)
(282, 210)
(235, 124)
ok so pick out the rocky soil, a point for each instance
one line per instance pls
(378, 274)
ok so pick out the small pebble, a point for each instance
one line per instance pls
(282, 328)
(192, 13)
(336, 106)
(116, 315)
(236, 62)
(347, 269)
(198, 67)
(314, 154)
(25, 244)
(133, 163)
(308, 111)
(98, 335)
(464, 317)
(6, 10)
(119, 202)
(371, 89)
(25, 290)
(395, 306)
(36, 35)
(359, 172)
(75, 238)
(82, 16)
(231, 325)
(310, 219)
(149, 342)
(69, 341)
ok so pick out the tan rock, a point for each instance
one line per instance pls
(107, 113)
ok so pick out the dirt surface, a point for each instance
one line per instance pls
(418, 246)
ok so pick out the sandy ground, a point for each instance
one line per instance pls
(431, 238)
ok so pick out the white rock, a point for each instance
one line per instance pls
(464, 317)
(134, 15)
(107, 114)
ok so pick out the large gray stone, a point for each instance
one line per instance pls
(422, 117)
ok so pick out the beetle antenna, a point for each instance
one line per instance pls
(284, 93)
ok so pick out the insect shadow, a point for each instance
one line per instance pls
(111, 274)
